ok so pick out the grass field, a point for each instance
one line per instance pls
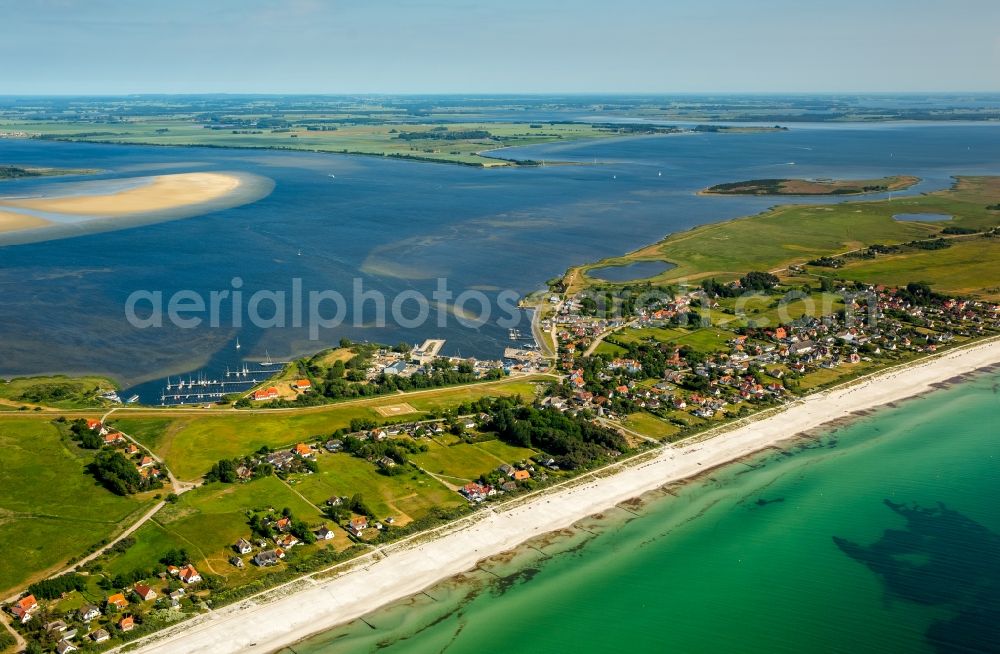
(794, 234)
(51, 510)
(461, 461)
(707, 339)
(376, 139)
(405, 497)
(968, 267)
(649, 425)
(191, 443)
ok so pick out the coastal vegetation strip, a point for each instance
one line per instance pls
(11, 171)
(813, 186)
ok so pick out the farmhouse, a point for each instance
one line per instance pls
(189, 575)
(269, 393)
(144, 592)
(358, 526)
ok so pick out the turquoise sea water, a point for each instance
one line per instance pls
(881, 536)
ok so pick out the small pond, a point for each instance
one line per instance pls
(630, 272)
(922, 217)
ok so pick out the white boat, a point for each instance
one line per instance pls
(133, 399)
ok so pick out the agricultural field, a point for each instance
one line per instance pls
(794, 234)
(51, 510)
(191, 442)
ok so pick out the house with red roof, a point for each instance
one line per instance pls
(24, 607)
(269, 393)
(189, 575)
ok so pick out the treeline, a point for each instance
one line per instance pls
(752, 281)
(573, 441)
(444, 134)
(49, 589)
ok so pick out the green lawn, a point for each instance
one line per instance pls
(51, 510)
(406, 496)
(509, 453)
(461, 461)
(649, 425)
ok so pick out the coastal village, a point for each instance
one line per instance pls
(609, 371)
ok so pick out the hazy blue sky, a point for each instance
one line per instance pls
(539, 46)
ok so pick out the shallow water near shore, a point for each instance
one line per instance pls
(881, 536)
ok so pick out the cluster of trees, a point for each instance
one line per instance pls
(396, 449)
(52, 588)
(933, 244)
(573, 441)
(827, 262)
(225, 469)
(354, 505)
(119, 475)
(752, 281)
(263, 526)
(955, 230)
(86, 437)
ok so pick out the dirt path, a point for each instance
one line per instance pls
(19, 643)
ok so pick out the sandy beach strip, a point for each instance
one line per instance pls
(156, 194)
(285, 615)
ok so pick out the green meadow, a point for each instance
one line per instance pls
(51, 509)
(406, 497)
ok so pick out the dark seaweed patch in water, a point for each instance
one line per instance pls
(941, 558)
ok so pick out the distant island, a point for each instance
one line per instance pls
(813, 186)
(9, 171)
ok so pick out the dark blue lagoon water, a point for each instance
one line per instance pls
(631, 271)
(395, 226)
